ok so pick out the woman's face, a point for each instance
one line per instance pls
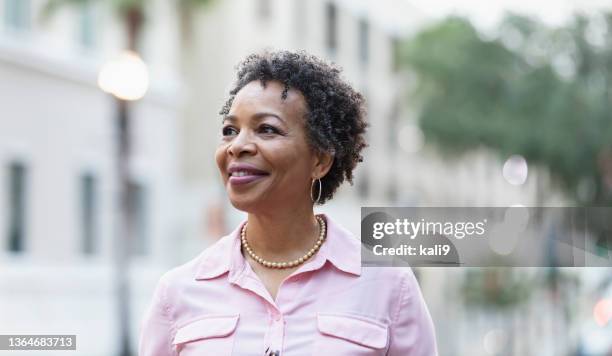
(264, 158)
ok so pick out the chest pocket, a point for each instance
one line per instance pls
(209, 335)
(342, 334)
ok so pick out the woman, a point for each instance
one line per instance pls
(287, 281)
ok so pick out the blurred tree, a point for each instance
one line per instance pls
(543, 93)
(496, 288)
(539, 92)
(133, 15)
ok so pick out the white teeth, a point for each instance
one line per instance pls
(240, 174)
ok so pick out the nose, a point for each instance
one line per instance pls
(242, 144)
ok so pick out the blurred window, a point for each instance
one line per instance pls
(396, 48)
(364, 43)
(392, 132)
(331, 28)
(363, 184)
(89, 213)
(86, 26)
(301, 19)
(17, 206)
(264, 9)
(17, 14)
(138, 197)
(392, 191)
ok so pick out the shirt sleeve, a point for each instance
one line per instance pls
(157, 327)
(412, 330)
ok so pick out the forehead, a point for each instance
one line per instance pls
(254, 97)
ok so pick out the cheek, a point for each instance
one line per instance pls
(220, 158)
(296, 164)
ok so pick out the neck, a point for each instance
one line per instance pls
(282, 235)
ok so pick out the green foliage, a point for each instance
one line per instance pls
(122, 7)
(496, 288)
(535, 91)
(192, 3)
(133, 14)
(52, 6)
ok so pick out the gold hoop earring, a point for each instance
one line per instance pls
(320, 188)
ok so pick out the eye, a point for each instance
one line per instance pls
(267, 129)
(228, 131)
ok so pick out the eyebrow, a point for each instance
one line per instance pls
(257, 116)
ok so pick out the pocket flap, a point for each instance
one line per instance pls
(209, 326)
(352, 328)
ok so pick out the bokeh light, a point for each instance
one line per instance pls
(515, 170)
(411, 138)
(494, 341)
(126, 77)
(602, 312)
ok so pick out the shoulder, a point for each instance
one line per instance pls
(214, 257)
(396, 284)
(396, 274)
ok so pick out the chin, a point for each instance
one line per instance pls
(240, 206)
(246, 205)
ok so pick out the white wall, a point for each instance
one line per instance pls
(54, 118)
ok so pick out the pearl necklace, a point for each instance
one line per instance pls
(282, 265)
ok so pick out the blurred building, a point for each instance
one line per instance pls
(58, 144)
(357, 35)
(58, 174)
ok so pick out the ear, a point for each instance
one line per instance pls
(322, 163)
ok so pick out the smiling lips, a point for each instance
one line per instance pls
(243, 173)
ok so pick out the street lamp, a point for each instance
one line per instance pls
(126, 78)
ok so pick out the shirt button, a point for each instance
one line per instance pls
(277, 317)
(269, 352)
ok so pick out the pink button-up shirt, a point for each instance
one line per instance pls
(216, 305)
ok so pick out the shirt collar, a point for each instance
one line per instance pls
(341, 248)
